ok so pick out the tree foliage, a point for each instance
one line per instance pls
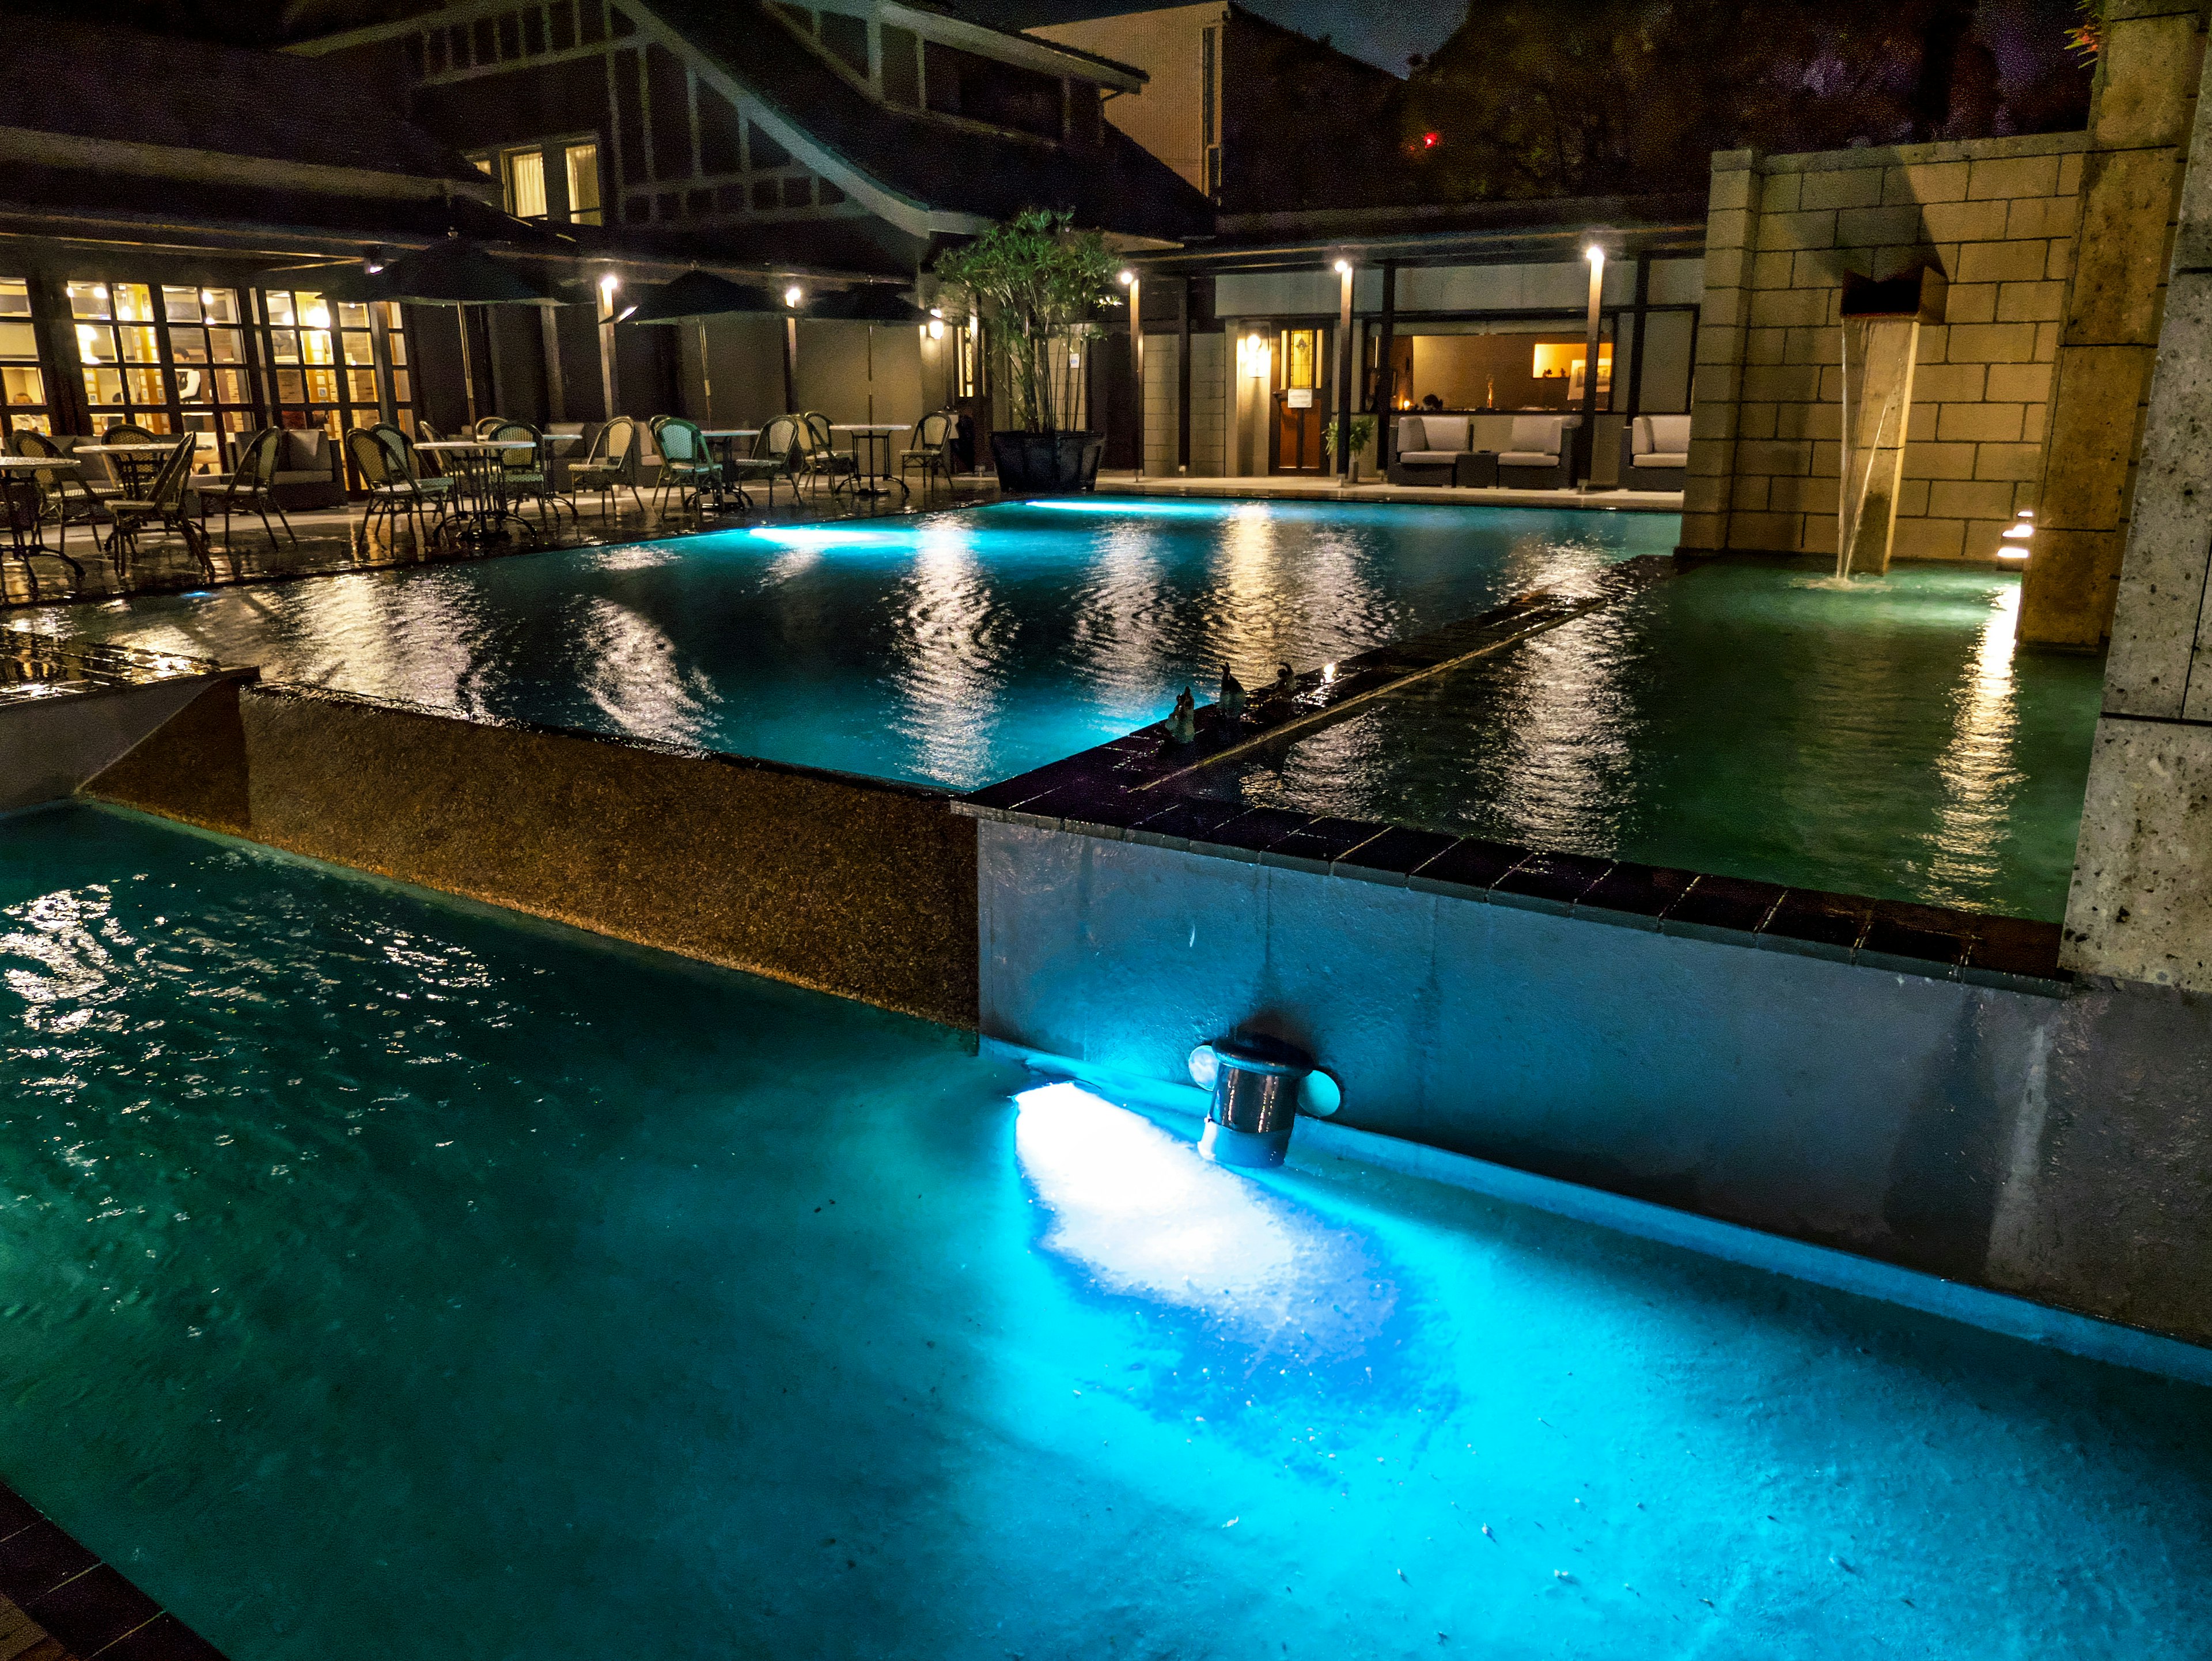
(1536, 98)
(1038, 284)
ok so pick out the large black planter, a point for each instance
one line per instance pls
(1047, 464)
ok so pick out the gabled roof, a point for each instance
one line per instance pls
(143, 103)
(926, 176)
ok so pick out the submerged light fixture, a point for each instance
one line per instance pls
(2013, 541)
(1258, 1085)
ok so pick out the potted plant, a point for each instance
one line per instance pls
(1038, 285)
(1362, 434)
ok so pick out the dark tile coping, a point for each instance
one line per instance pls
(34, 666)
(1122, 791)
(88, 1607)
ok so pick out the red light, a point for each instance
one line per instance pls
(1429, 140)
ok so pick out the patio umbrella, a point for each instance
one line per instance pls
(454, 272)
(693, 298)
(872, 305)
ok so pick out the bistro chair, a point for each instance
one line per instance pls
(165, 500)
(932, 450)
(822, 457)
(433, 484)
(612, 466)
(393, 490)
(425, 434)
(686, 466)
(526, 475)
(487, 426)
(63, 495)
(128, 432)
(776, 455)
(251, 484)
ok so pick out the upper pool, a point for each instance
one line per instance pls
(386, 1278)
(952, 648)
(1751, 720)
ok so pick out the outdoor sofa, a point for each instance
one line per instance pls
(1655, 452)
(1520, 452)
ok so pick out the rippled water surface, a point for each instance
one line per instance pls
(953, 649)
(383, 1278)
(1884, 739)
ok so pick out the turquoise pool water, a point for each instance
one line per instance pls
(386, 1278)
(952, 648)
(1750, 719)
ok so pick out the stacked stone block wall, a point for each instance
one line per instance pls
(1999, 217)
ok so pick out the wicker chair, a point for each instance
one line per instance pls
(612, 466)
(432, 484)
(165, 500)
(526, 475)
(63, 494)
(687, 466)
(932, 450)
(250, 484)
(393, 490)
(823, 459)
(776, 455)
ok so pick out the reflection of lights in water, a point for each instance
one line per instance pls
(948, 668)
(628, 667)
(820, 536)
(1978, 770)
(1147, 1218)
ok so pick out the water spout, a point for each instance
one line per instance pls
(1882, 339)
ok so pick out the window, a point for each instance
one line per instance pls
(525, 183)
(583, 184)
(322, 361)
(170, 359)
(22, 385)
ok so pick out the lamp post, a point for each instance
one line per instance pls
(609, 384)
(1136, 288)
(1586, 445)
(1344, 372)
(792, 296)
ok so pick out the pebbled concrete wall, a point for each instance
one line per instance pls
(50, 745)
(2055, 1146)
(848, 886)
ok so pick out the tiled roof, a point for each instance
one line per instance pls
(1118, 185)
(83, 82)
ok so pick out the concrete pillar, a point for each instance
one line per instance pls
(2140, 909)
(2139, 121)
(1731, 234)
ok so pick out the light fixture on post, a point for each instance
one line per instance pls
(1130, 281)
(610, 379)
(1586, 440)
(793, 293)
(1343, 400)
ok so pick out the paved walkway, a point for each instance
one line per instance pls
(337, 539)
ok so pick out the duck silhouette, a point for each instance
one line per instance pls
(1182, 723)
(1231, 697)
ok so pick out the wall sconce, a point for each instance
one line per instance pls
(1252, 355)
(937, 328)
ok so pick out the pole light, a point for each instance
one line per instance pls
(1586, 443)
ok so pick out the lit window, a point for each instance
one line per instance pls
(23, 388)
(525, 183)
(583, 184)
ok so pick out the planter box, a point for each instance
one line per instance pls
(1047, 464)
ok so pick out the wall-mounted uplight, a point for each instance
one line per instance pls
(937, 328)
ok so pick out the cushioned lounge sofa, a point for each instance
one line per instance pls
(1655, 452)
(1522, 452)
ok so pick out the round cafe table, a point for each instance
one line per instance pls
(481, 509)
(727, 438)
(869, 480)
(19, 506)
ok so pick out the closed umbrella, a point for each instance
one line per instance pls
(693, 298)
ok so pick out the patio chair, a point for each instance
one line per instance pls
(393, 490)
(776, 455)
(250, 485)
(612, 466)
(932, 450)
(63, 494)
(527, 476)
(823, 459)
(165, 500)
(487, 426)
(128, 432)
(687, 468)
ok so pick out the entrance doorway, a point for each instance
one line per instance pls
(1301, 401)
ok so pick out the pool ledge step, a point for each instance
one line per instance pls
(1319, 1141)
(50, 1584)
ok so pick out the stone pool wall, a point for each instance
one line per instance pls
(2035, 1136)
(859, 887)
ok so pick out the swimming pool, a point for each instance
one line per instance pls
(1747, 719)
(386, 1275)
(952, 648)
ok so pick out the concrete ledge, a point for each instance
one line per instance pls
(855, 887)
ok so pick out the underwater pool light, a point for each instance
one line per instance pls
(1257, 1083)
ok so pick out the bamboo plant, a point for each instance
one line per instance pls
(1039, 286)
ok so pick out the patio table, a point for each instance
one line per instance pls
(481, 483)
(867, 478)
(19, 506)
(727, 438)
(131, 461)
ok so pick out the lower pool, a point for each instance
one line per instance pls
(951, 648)
(386, 1277)
(1883, 739)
